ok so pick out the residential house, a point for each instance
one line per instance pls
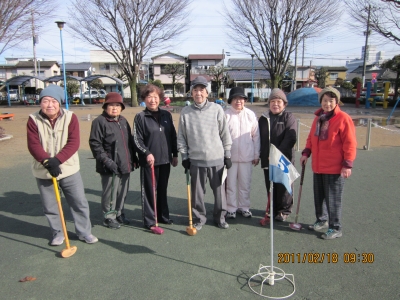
(333, 74)
(81, 69)
(373, 73)
(249, 74)
(241, 73)
(103, 63)
(305, 77)
(200, 64)
(161, 73)
(16, 67)
(369, 70)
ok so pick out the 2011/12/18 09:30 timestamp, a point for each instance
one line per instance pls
(317, 257)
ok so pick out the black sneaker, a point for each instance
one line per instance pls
(168, 222)
(122, 220)
(111, 223)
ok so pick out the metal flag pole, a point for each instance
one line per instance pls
(267, 273)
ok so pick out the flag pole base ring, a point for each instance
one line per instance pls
(267, 275)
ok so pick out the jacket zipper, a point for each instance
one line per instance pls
(126, 150)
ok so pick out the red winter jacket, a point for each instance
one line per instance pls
(338, 150)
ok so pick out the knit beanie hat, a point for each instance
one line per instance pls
(113, 97)
(277, 94)
(236, 92)
(53, 91)
(330, 89)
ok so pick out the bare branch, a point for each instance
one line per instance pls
(272, 29)
(16, 20)
(384, 18)
(128, 29)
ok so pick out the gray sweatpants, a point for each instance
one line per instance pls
(116, 194)
(73, 190)
(199, 177)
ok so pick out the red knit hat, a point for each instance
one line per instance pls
(113, 97)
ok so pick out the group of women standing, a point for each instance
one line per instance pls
(331, 142)
(114, 147)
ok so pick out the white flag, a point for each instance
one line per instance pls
(280, 169)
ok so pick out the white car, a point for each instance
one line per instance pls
(93, 94)
(14, 95)
(169, 93)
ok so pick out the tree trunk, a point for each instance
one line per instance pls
(133, 87)
(173, 86)
(274, 80)
(396, 86)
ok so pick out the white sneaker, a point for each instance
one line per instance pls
(90, 239)
(245, 213)
(230, 215)
(57, 241)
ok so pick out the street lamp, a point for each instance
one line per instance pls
(60, 25)
(252, 77)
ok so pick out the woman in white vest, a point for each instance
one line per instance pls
(53, 141)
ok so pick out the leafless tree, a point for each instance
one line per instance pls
(176, 71)
(128, 29)
(384, 17)
(217, 74)
(272, 29)
(16, 20)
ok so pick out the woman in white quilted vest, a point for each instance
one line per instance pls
(245, 153)
(53, 141)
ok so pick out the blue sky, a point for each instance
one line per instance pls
(207, 34)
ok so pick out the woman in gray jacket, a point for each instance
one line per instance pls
(278, 127)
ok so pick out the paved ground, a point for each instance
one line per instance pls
(132, 263)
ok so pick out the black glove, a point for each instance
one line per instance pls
(53, 166)
(111, 166)
(227, 162)
(186, 163)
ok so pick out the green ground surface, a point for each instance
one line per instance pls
(132, 263)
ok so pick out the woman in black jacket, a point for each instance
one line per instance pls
(278, 127)
(155, 142)
(112, 146)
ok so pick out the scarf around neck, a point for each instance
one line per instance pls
(322, 126)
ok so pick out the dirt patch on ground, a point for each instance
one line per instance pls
(14, 151)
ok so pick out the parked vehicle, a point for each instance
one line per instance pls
(169, 93)
(14, 95)
(102, 94)
(93, 94)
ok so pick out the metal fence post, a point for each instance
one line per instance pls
(368, 141)
(298, 135)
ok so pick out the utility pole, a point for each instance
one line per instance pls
(34, 48)
(366, 47)
(295, 68)
(302, 57)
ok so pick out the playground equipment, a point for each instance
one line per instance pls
(373, 98)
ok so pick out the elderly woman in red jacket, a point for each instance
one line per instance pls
(332, 144)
